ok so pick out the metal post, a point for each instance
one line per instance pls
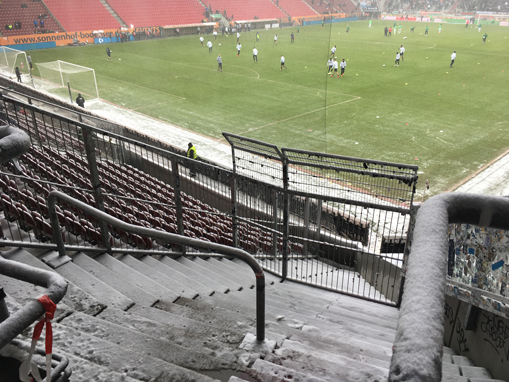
(178, 200)
(70, 94)
(96, 183)
(286, 218)
(306, 226)
(274, 211)
(234, 201)
(318, 218)
(4, 311)
(408, 246)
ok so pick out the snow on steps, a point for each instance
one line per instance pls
(199, 358)
(457, 368)
(325, 336)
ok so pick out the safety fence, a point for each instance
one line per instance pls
(335, 222)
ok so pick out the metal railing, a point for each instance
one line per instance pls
(330, 221)
(421, 322)
(20, 320)
(167, 237)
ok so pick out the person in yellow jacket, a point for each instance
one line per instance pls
(191, 153)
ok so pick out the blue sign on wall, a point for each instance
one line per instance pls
(102, 40)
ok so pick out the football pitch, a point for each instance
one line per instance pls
(448, 121)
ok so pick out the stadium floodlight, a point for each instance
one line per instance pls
(10, 59)
(80, 78)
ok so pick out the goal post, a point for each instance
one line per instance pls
(10, 59)
(56, 74)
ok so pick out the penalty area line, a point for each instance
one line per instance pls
(140, 86)
(297, 116)
(156, 104)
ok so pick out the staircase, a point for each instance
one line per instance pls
(453, 8)
(114, 14)
(151, 318)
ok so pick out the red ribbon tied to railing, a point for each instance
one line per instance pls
(50, 313)
(29, 367)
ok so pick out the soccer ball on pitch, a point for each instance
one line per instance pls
(383, 65)
(120, 59)
(219, 44)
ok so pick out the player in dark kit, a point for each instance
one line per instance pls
(108, 52)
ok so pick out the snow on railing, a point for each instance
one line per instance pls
(418, 347)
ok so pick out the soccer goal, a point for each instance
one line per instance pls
(10, 59)
(56, 75)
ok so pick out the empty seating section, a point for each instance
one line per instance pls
(130, 195)
(149, 13)
(12, 11)
(248, 9)
(325, 7)
(346, 6)
(296, 8)
(78, 15)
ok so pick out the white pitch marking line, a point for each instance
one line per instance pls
(297, 116)
(156, 104)
(140, 86)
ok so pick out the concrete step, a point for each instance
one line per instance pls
(475, 372)
(202, 277)
(157, 277)
(461, 360)
(194, 335)
(343, 345)
(197, 265)
(200, 288)
(329, 366)
(242, 270)
(278, 312)
(246, 281)
(137, 278)
(86, 371)
(208, 314)
(75, 298)
(100, 290)
(269, 372)
(191, 323)
(118, 358)
(114, 280)
(200, 358)
(454, 378)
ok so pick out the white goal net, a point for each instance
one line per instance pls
(57, 74)
(10, 59)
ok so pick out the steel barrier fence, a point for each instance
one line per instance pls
(335, 222)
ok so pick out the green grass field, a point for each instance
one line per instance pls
(448, 121)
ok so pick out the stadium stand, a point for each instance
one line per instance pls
(296, 8)
(24, 13)
(248, 9)
(27, 204)
(75, 15)
(158, 12)
(321, 6)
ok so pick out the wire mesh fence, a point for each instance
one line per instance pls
(339, 222)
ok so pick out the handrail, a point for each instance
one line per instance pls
(418, 346)
(56, 288)
(168, 237)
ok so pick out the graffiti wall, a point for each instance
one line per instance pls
(486, 343)
(478, 267)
